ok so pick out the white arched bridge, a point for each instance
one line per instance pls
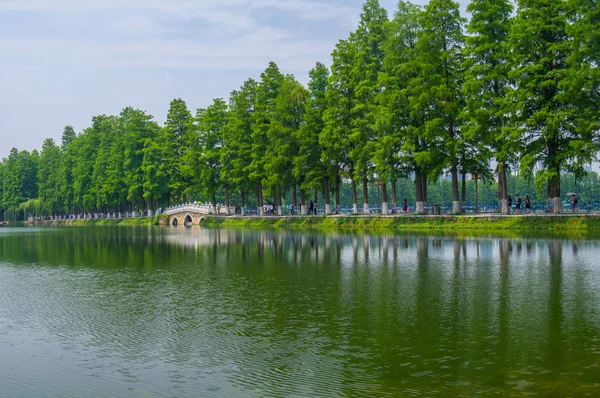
(193, 214)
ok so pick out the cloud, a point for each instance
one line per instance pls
(70, 59)
(218, 10)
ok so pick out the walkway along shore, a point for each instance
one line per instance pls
(487, 222)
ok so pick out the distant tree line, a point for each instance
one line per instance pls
(404, 102)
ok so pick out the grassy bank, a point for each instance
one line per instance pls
(444, 223)
(99, 222)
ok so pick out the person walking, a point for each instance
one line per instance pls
(518, 204)
(509, 202)
(405, 205)
(291, 209)
(311, 207)
(527, 204)
(574, 203)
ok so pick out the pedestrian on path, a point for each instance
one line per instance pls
(574, 203)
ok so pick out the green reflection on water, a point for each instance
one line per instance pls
(202, 312)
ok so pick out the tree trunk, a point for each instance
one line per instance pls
(278, 199)
(243, 199)
(455, 197)
(354, 197)
(502, 187)
(302, 202)
(476, 196)
(384, 197)
(326, 195)
(463, 198)
(227, 204)
(394, 196)
(213, 198)
(420, 203)
(294, 195)
(338, 182)
(259, 199)
(366, 195)
(554, 185)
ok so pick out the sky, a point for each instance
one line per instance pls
(64, 61)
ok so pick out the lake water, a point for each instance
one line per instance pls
(191, 312)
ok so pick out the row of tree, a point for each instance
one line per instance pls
(412, 97)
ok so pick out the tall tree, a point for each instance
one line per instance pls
(48, 177)
(440, 55)
(66, 169)
(136, 127)
(155, 172)
(20, 178)
(338, 118)
(211, 123)
(179, 132)
(236, 154)
(268, 90)
(545, 102)
(85, 150)
(368, 64)
(486, 84)
(396, 126)
(100, 190)
(282, 147)
(309, 168)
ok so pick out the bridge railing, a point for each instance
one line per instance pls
(198, 208)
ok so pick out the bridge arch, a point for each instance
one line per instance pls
(189, 220)
(175, 222)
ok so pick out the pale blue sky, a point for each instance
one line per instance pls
(64, 61)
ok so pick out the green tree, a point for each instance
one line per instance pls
(486, 83)
(179, 132)
(368, 64)
(100, 191)
(282, 147)
(49, 178)
(85, 150)
(211, 124)
(393, 150)
(271, 81)
(340, 97)
(309, 168)
(546, 102)
(135, 127)
(155, 172)
(440, 55)
(236, 154)
(19, 178)
(65, 182)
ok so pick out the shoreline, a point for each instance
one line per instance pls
(485, 222)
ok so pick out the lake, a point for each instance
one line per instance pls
(192, 312)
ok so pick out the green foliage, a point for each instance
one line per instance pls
(179, 134)
(550, 104)
(236, 154)
(284, 129)
(267, 92)
(309, 168)
(211, 125)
